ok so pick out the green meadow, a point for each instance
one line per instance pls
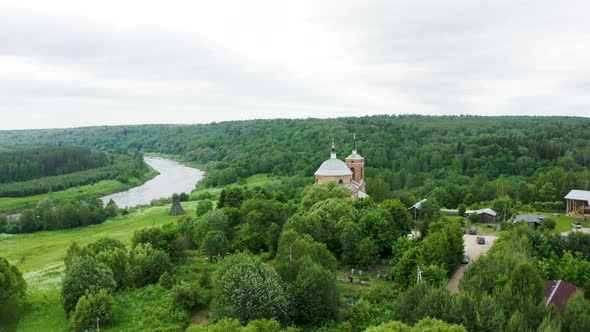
(101, 188)
(39, 256)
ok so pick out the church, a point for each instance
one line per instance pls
(349, 173)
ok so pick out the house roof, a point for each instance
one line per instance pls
(482, 211)
(418, 205)
(559, 291)
(579, 195)
(536, 218)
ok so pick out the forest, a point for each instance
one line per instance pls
(286, 255)
(63, 168)
(469, 158)
(26, 164)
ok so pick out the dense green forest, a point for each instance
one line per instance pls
(287, 255)
(25, 164)
(107, 166)
(472, 159)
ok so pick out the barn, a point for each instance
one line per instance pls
(485, 215)
(578, 204)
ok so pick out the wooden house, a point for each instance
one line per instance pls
(485, 215)
(578, 204)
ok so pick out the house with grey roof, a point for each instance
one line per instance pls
(534, 220)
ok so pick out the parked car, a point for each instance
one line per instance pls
(481, 240)
(472, 231)
(463, 230)
(577, 224)
(465, 259)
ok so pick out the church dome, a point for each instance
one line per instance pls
(333, 167)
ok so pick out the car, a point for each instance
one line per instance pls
(481, 240)
(472, 231)
(577, 224)
(465, 259)
(463, 230)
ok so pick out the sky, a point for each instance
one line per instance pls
(82, 63)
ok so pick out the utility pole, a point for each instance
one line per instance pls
(97, 324)
(419, 276)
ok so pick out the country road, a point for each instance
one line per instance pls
(474, 250)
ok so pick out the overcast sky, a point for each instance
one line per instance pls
(79, 63)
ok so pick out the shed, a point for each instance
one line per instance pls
(534, 220)
(558, 292)
(413, 210)
(578, 203)
(485, 215)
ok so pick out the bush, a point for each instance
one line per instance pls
(85, 274)
(203, 207)
(146, 265)
(186, 296)
(91, 307)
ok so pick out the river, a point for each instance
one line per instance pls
(173, 178)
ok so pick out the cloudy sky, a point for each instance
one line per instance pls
(79, 63)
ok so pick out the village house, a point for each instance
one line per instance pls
(558, 292)
(485, 215)
(534, 220)
(578, 204)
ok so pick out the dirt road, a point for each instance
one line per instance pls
(473, 250)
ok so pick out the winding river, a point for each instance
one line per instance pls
(173, 178)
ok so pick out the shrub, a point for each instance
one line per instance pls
(186, 296)
(91, 307)
(85, 274)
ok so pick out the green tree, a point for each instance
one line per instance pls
(350, 237)
(85, 274)
(147, 264)
(231, 196)
(461, 210)
(215, 220)
(548, 193)
(295, 248)
(576, 314)
(215, 244)
(402, 220)
(368, 251)
(203, 207)
(12, 292)
(315, 294)
(186, 296)
(91, 307)
(318, 193)
(248, 290)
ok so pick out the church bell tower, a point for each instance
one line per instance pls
(356, 164)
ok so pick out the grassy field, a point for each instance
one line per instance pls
(39, 256)
(102, 188)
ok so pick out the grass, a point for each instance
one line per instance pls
(39, 256)
(564, 222)
(101, 188)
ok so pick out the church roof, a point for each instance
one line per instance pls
(333, 167)
(355, 156)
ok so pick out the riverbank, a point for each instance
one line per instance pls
(174, 178)
(101, 188)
